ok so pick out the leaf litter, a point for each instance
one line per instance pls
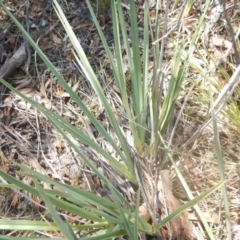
(28, 138)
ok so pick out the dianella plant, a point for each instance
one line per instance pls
(147, 104)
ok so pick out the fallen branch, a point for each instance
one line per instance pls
(18, 58)
(14, 62)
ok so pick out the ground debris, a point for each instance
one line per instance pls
(180, 227)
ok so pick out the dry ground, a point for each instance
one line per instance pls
(27, 137)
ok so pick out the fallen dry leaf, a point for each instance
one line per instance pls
(56, 39)
(144, 213)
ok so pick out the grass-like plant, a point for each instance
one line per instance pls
(148, 112)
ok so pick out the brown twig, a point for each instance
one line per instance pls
(231, 33)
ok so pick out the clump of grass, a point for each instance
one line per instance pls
(148, 110)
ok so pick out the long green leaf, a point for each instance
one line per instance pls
(188, 205)
(91, 76)
(109, 235)
(60, 123)
(65, 227)
(29, 225)
(95, 122)
(81, 211)
(128, 226)
(221, 171)
(76, 193)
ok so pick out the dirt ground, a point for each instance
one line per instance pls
(27, 137)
